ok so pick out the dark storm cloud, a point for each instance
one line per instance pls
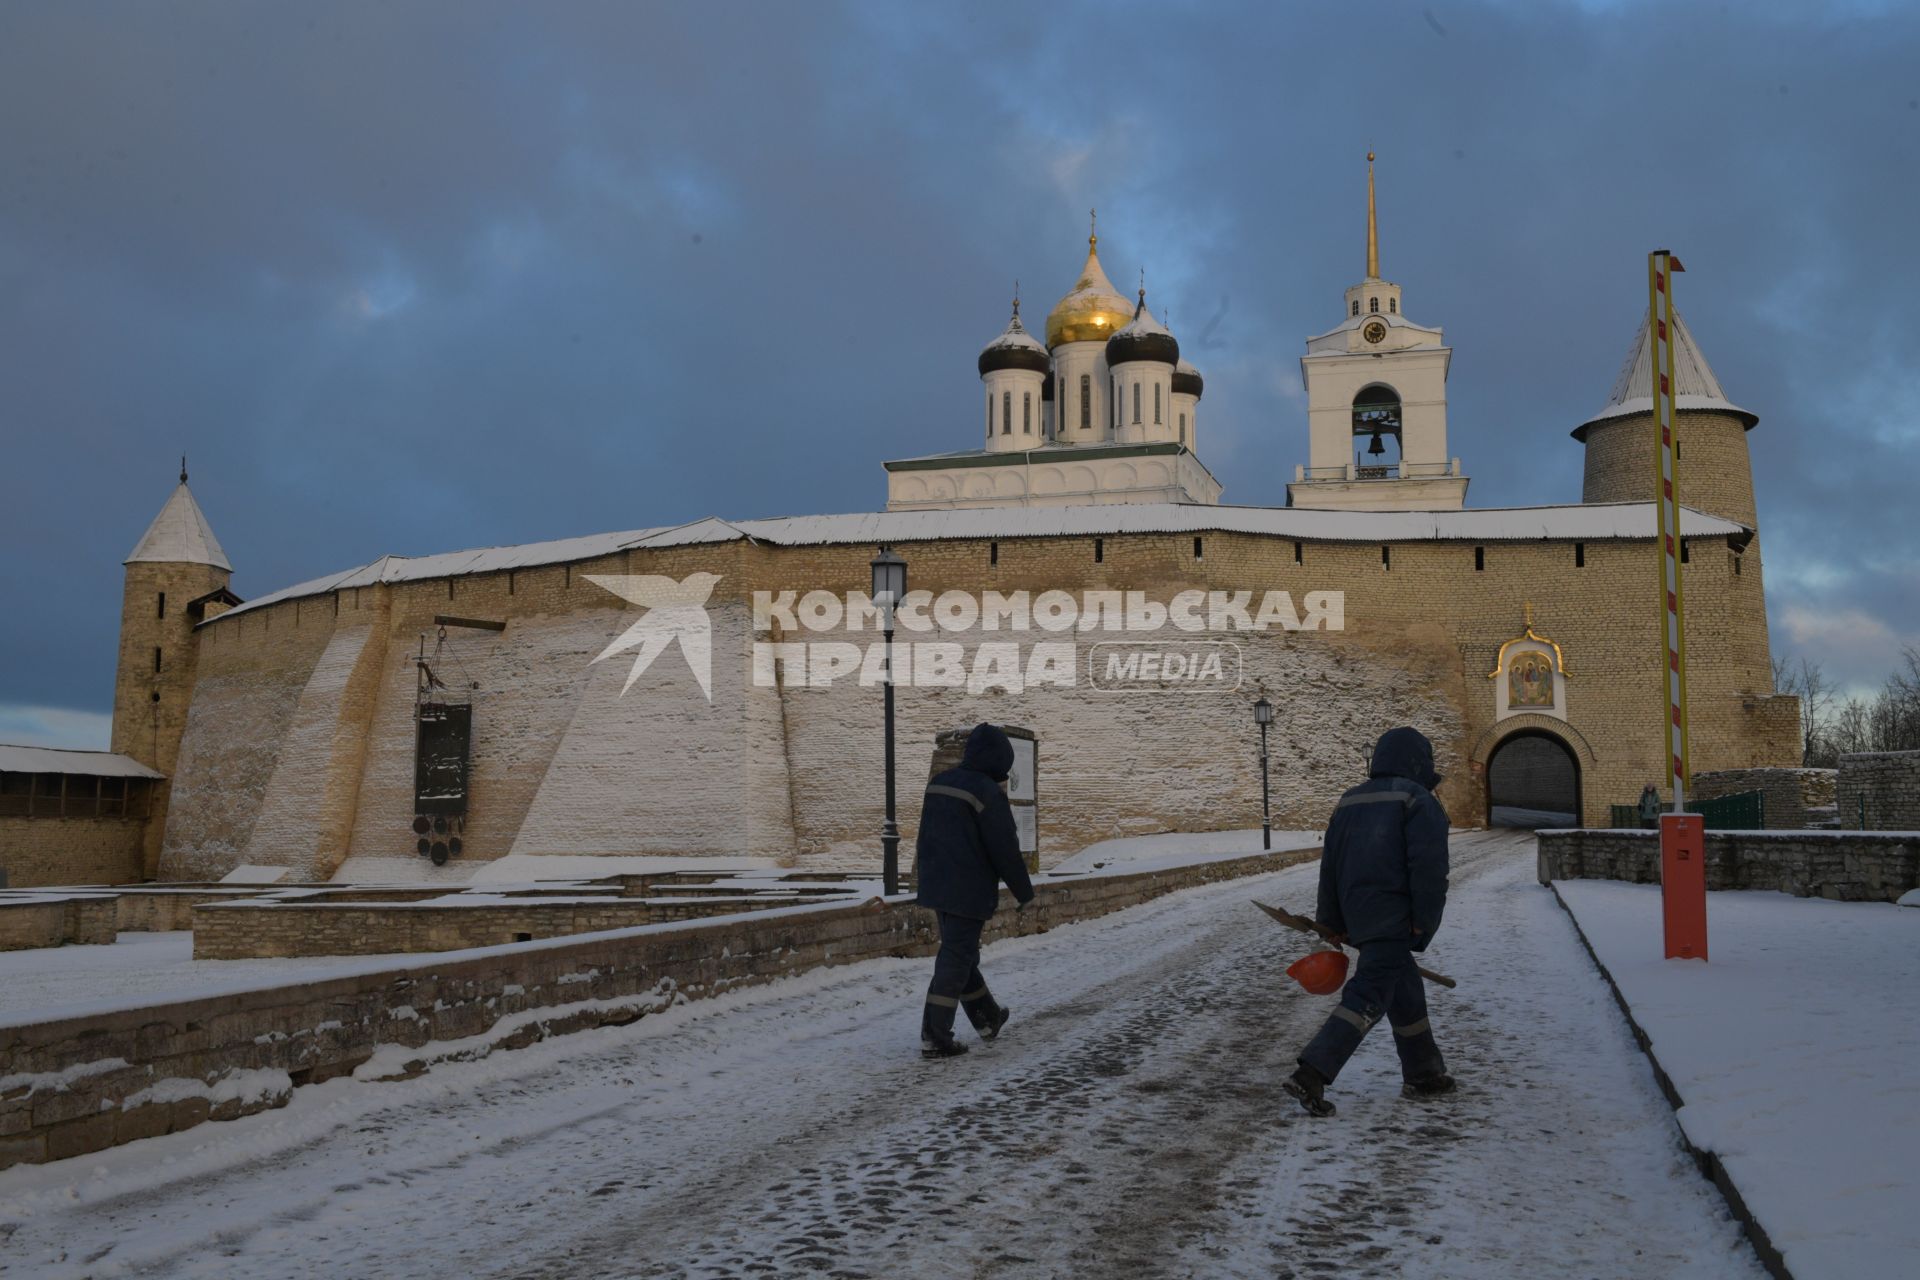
(408, 278)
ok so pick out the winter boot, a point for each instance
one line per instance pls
(948, 1048)
(1310, 1087)
(1428, 1086)
(991, 1021)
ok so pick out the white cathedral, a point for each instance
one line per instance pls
(1107, 411)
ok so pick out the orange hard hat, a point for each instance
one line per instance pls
(1320, 972)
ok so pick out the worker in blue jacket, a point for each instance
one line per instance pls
(967, 846)
(1383, 887)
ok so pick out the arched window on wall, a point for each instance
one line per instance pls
(1156, 404)
(989, 415)
(1183, 428)
(1376, 419)
(1373, 305)
(1136, 402)
(1356, 306)
(1026, 413)
(1393, 306)
(1006, 413)
(1086, 402)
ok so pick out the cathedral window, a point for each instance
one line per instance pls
(989, 415)
(1006, 413)
(1373, 304)
(1183, 428)
(1393, 305)
(1156, 404)
(1026, 413)
(1136, 402)
(1086, 402)
(1356, 306)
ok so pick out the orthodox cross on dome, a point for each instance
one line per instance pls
(183, 468)
(1016, 298)
(1500, 663)
(1093, 228)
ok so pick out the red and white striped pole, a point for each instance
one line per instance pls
(1661, 267)
(1683, 887)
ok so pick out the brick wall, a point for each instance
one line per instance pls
(1790, 793)
(1848, 866)
(63, 851)
(1882, 786)
(564, 762)
(55, 922)
(75, 1085)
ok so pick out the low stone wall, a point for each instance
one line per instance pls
(56, 922)
(242, 930)
(1879, 791)
(74, 1085)
(1850, 866)
(1790, 793)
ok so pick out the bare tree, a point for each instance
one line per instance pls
(1806, 681)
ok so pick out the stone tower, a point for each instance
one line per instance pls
(1377, 404)
(1715, 473)
(175, 577)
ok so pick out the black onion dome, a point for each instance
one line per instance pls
(1144, 339)
(1187, 380)
(1014, 349)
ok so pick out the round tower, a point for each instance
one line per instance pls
(1714, 471)
(1014, 369)
(1142, 357)
(175, 577)
(1077, 331)
(1187, 389)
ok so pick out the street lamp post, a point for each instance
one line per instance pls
(1263, 716)
(889, 586)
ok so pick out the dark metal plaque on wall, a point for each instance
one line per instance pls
(442, 744)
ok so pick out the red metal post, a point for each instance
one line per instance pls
(1683, 884)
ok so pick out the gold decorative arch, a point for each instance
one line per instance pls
(1500, 663)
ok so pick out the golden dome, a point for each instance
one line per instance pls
(1093, 309)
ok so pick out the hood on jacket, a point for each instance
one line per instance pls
(1404, 753)
(990, 751)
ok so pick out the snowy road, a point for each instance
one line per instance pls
(1129, 1124)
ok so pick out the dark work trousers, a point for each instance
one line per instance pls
(957, 983)
(1385, 981)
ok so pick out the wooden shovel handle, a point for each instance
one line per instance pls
(1306, 924)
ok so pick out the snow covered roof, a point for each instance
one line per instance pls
(1694, 385)
(180, 534)
(1575, 522)
(1334, 340)
(94, 764)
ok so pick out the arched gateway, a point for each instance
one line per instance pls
(1533, 780)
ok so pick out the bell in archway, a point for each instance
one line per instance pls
(1374, 447)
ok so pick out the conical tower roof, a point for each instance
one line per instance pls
(1695, 387)
(180, 534)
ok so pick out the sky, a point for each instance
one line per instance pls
(409, 278)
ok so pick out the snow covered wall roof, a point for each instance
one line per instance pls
(93, 764)
(1585, 522)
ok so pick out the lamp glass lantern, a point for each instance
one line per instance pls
(889, 580)
(1263, 712)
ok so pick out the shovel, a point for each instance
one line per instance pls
(1305, 925)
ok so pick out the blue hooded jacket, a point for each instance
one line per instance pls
(967, 843)
(1383, 868)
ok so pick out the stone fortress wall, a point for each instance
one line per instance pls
(298, 749)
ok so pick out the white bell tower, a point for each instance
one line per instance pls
(1377, 405)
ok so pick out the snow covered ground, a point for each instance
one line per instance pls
(1178, 848)
(1129, 1124)
(1794, 1051)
